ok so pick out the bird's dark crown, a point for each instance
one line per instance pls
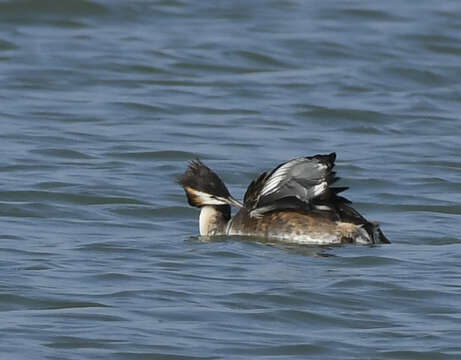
(201, 178)
(203, 187)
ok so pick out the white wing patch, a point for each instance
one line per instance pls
(282, 174)
(294, 170)
(303, 178)
(320, 188)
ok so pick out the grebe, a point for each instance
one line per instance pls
(294, 202)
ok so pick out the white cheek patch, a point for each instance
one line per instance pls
(203, 198)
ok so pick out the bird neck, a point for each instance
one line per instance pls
(213, 219)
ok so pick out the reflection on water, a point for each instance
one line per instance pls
(294, 248)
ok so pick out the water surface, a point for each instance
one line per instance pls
(105, 102)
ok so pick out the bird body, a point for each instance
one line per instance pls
(294, 202)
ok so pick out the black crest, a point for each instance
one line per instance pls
(201, 178)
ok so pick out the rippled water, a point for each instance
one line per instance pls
(103, 104)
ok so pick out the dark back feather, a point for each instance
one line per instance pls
(251, 197)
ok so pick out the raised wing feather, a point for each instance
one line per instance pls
(294, 184)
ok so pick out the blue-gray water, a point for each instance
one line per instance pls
(104, 102)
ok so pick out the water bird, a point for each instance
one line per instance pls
(295, 202)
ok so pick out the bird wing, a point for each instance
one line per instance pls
(294, 184)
